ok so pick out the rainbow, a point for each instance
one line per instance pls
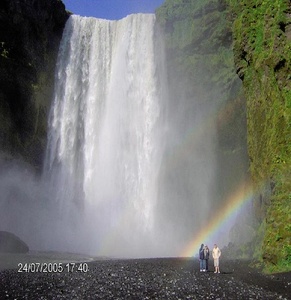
(220, 222)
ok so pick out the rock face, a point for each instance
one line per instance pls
(200, 63)
(262, 44)
(30, 32)
(256, 36)
(10, 243)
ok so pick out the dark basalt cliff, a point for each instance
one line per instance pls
(30, 32)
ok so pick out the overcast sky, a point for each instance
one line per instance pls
(111, 9)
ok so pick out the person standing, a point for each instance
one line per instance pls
(216, 253)
(201, 258)
(206, 257)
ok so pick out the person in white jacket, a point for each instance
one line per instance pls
(216, 254)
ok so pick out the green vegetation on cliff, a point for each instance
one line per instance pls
(201, 66)
(198, 38)
(205, 39)
(262, 46)
(199, 46)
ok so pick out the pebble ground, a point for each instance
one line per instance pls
(160, 278)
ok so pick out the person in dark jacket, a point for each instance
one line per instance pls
(202, 259)
(206, 257)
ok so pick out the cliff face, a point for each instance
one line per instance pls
(30, 32)
(201, 64)
(200, 36)
(254, 38)
(262, 44)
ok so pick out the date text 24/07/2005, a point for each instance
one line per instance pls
(36, 267)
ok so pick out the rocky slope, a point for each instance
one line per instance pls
(30, 31)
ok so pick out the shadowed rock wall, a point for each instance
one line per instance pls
(30, 32)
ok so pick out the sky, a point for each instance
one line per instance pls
(111, 9)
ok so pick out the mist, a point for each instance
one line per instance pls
(131, 165)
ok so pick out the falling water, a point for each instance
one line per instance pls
(131, 161)
(105, 132)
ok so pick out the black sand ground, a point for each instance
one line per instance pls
(168, 278)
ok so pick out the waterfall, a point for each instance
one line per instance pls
(106, 139)
(131, 162)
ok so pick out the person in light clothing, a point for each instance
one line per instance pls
(216, 253)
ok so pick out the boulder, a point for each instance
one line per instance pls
(10, 243)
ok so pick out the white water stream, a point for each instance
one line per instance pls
(129, 170)
(106, 139)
